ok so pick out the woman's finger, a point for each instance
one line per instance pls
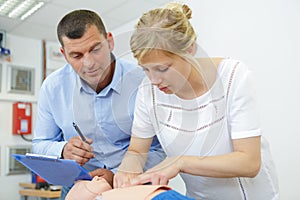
(141, 179)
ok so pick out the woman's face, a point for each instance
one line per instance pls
(170, 73)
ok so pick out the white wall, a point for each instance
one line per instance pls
(265, 36)
(26, 53)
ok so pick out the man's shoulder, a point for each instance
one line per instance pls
(131, 70)
(127, 65)
(60, 77)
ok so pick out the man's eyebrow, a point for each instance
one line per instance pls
(91, 48)
(72, 53)
(96, 44)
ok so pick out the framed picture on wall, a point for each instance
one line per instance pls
(54, 58)
(2, 38)
(20, 79)
(54, 53)
(13, 166)
(0, 77)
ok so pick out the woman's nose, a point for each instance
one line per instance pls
(155, 79)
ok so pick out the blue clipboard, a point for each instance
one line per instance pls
(54, 170)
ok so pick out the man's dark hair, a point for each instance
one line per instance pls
(74, 24)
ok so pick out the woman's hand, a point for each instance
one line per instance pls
(133, 162)
(161, 173)
(123, 179)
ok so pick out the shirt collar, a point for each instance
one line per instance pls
(114, 85)
(117, 77)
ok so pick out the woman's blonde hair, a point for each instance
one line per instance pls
(167, 29)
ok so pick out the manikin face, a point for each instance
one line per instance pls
(88, 190)
(170, 73)
(90, 55)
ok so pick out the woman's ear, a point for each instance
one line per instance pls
(192, 49)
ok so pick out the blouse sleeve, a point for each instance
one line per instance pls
(243, 119)
(142, 123)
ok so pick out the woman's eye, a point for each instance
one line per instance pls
(163, 69)
(145, 69)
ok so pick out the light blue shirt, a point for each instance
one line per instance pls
(106, 117)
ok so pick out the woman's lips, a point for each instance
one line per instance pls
(164, 89)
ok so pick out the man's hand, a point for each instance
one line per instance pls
(104, 173)
(78, 150)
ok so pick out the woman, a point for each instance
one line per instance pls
(203, 112)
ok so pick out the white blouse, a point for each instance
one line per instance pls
(206, 126)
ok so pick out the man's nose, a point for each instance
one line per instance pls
(87, 60)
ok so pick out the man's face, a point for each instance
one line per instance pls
(89, 55)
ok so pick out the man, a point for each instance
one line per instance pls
(97, 92)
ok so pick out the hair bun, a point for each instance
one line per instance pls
(185, 9)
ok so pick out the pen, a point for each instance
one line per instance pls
(79, 133)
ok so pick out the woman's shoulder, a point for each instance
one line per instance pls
(211, 61)
(224, 64)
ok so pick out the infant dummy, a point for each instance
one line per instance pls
(88, 190)
(99, 189)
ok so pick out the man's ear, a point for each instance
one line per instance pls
(192, 49)
(110, 40)
(63, 52)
